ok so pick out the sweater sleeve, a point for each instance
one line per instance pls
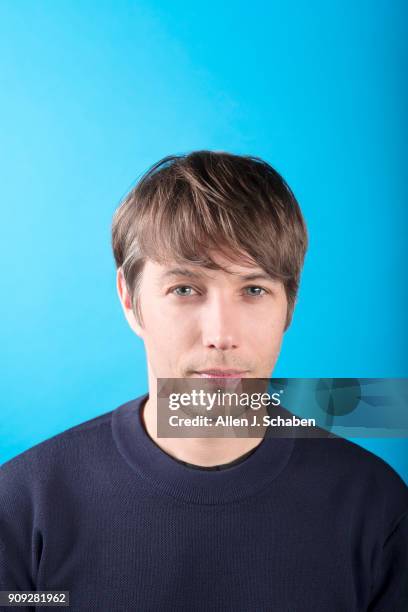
(390, 589)
(19, 539)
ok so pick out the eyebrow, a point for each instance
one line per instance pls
(179, 272)
(257, 276)
(190, 274)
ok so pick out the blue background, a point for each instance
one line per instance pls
(92, 93)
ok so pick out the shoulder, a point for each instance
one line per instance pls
(349, 455)
(350, 470)
(59, 441)
(66, 448)
(340, 455)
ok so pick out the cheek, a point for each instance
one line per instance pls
(168, 331)
(269, 340)
(268, 321)
(265, 333)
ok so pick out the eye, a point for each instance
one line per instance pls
(183, 290)
(255, 291)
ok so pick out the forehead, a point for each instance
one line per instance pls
(231, 269)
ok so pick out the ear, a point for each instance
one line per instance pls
(126, 303)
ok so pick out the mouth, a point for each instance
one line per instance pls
(219, 373)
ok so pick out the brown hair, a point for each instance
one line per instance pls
(186, 205)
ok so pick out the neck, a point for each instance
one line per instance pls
(205, 452)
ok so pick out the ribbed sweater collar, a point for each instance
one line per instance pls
(171, 477)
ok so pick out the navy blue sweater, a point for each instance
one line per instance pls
(299, 525)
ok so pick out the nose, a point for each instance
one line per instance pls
(220, 324)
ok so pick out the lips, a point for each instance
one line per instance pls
(215, 373)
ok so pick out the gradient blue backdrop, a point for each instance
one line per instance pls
(92, 93)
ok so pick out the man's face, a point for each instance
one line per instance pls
(197, 320)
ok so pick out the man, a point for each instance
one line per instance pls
(209, 249)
